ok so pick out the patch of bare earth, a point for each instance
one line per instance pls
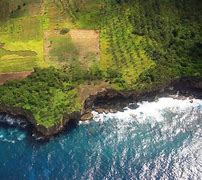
(87, 43)
(47, 45)
(34, 8)
(85, 90)
(13, 76)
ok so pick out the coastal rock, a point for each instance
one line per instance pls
(87, 116)
(37, 128)
(198, 85)
(105, 101)
(133, 106)
(57, 128)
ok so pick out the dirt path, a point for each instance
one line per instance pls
(47, 45)
(12, 76)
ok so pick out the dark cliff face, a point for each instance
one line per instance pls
(38, 129)
(108, 100)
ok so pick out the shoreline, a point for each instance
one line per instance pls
(106, 100)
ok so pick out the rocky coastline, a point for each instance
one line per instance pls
(108, 100)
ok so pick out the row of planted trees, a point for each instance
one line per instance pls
(164, 32)
(139, 34)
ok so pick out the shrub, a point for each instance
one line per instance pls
(64, 31)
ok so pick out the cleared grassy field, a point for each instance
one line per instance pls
(31, 38)
(74, 45)
(21, 44)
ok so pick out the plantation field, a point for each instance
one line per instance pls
(21, 44)
(143, 43)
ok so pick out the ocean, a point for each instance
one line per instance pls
(158, 140)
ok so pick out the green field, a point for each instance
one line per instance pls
(21, 44)
(22, 36)
(63, 50)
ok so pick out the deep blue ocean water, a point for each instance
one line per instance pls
(158, 140)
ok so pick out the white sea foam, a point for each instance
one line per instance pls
(21, 137)
(11, 135)
(152, 113)
(154, 109)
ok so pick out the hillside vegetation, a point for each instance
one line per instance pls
(147, 42)
(143, 44)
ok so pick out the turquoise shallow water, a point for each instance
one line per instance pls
(158, 140)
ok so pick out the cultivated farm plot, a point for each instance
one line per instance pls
(21, 44)
(31, 38)
(29, 8)
(58, 49)
(82, 45)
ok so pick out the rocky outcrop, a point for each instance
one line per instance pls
(53, 130)
(39, 130)
(110, 100)
(106, 100)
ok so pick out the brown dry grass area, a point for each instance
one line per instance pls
(85, 90)
(87, 43)
(12, 76)
(34, 9)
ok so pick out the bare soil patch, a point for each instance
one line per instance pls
(12, 76)
(85, 90)
(87, 42)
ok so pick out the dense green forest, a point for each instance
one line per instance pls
(143, 44)
(47, 93)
